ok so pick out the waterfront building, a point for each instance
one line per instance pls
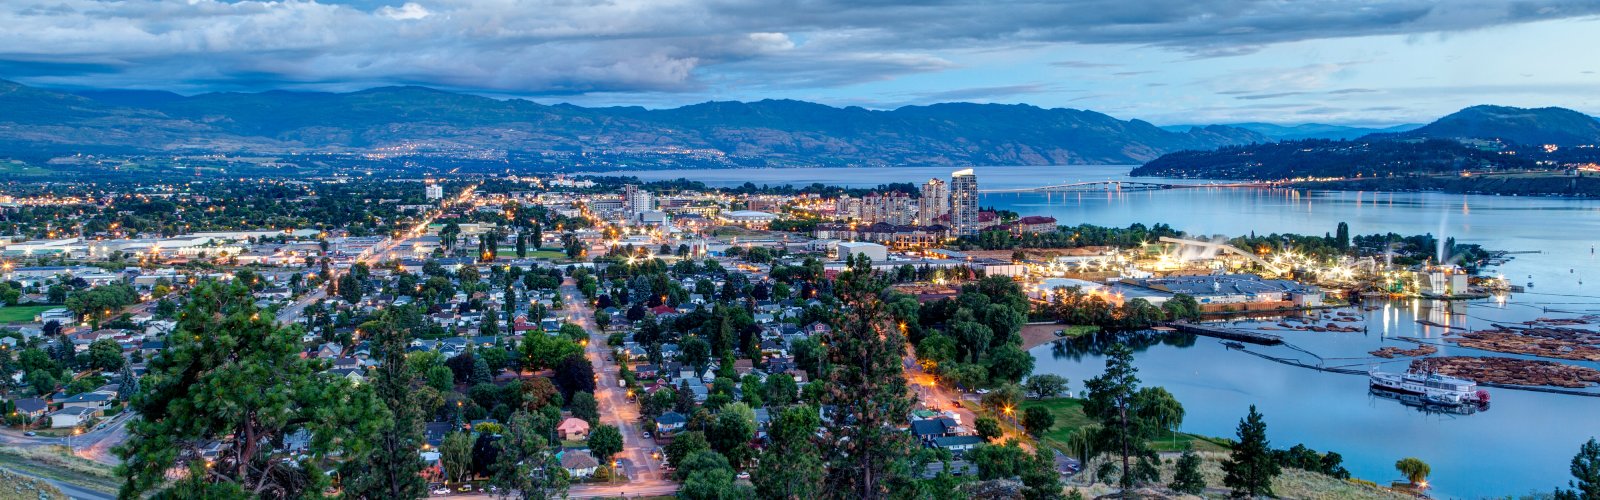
(964, 202)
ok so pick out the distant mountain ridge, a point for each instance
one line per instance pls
(1476, 138)
(774, 132)
(1308, 130)
(1526, 126)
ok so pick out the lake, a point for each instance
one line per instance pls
(1522, 443)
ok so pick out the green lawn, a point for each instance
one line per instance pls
(21, 314)
(1070, 417)
(1076, 330)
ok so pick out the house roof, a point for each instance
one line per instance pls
(573, 424)
(578, 459)
(671, 417)
(31, 405)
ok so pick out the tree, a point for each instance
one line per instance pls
(781, 390)
(522, 246)
(1040, 480)
(1414, 469)
(526, 464)
(1585, 474)
(574, 374)
(455, 455)
(707, 476)
(1037, 420)
(1125, 422)
(989, 428)
(1046, 386)
(791, 465)
(1250, 468)
(584, 407)
(105, 355)
(391, 468)
(685, 444)
(605, 441)
(1341, 238)
(867, 387)
(1009, 363)
(1187, 478)
(731, 434)
(229, 370)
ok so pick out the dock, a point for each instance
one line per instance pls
(1227, 333)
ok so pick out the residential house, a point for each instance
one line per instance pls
(67, 418)
(575, 429)
(670, 422)
(579, 463)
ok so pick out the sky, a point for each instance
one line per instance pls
(1358, 62)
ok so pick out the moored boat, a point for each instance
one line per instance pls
(1432, 387)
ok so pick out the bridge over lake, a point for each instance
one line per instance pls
(1118, 186)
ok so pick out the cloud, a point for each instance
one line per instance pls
(563, 47)
(408, 11)
(986, 93)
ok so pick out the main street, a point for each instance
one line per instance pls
(641, 468)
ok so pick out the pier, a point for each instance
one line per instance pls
(1228, 333)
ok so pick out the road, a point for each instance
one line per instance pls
(645, 477)
(72, 491)
(643, 471)
(291, 313)
(93, 445)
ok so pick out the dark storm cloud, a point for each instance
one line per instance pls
(556, 47)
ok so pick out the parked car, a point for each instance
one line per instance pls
(464, 488)
(30, 434)
(441, 491)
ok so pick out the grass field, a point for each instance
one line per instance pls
(21, 314)
(1070, 417)
(54, 463)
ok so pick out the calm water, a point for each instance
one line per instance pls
(1522, 443)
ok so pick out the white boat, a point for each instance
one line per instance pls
(1433, 387)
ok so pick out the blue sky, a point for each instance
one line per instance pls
(1368, 62)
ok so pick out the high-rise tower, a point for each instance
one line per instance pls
(964, 202)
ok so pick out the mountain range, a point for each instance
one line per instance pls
(774, 132)
(1484, 138)
(1309, 130)
(406, 120)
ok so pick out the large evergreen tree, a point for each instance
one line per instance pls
(1128, 418)
(1585, 474)
(866, 388)
(229, 374)
(1251, 468)
(391, 468)
(791, 465)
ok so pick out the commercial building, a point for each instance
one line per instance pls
(964, 202)
(874, 251)
(748, 218)
(635, 200)
(434, 192)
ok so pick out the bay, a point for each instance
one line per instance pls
(1522, 443)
